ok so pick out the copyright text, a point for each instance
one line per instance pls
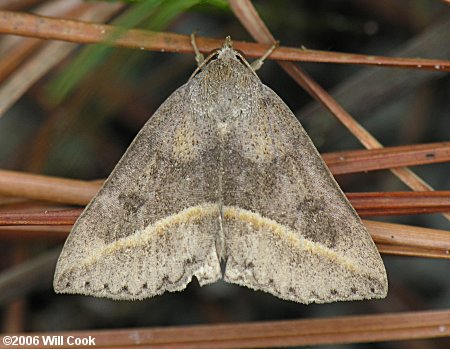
(51, 341)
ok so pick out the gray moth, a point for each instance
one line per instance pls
(223, 171)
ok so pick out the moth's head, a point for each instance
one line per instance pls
(228, 52)
(228, 43)
(225, 58)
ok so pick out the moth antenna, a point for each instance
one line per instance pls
(256, 64)
(199, 57)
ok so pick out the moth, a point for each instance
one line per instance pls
(223, 171)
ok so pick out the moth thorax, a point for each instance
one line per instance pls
(227, 52)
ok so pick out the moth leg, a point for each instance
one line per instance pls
(199, 57)
(256, 64)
